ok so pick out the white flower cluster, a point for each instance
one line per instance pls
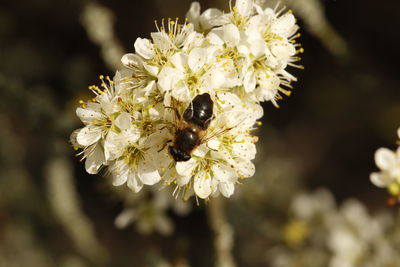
(322, 234)
(388, 162)
(236, 59)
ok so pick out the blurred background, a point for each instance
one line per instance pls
(345, 105)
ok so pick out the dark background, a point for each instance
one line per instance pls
(342, 109)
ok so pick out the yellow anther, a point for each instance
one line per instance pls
(259, 123)
(76, 147)
(394, 189)
(101, 77)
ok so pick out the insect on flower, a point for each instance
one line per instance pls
(191, 129)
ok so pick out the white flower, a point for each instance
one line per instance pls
(389, 164)
(138, 77)
(240, 14)
(138, 164)
(122, 134)
(216, 165)
(270, 49)
(194, 73)
(98, 116)
(171, 38)
(205, 21)
(239, 58)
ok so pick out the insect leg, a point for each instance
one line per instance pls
(166, 143)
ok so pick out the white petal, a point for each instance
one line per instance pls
(226, 189)
(284, 25)
(231, 35)
(224, 173)
(123, 121)
(268, 80)
(179, 60)
(148, 173)
(144, 48)
(181, 93)
(162, 41)
(134, 182)
(153, 70)
(384, 158)
(130, 60)
(120, 172)
(213, 79)
(244, 7)
(210, 17)
(183, 180)
(380, 179)
(213, 144)
(197, 58)
(112, 146)
(245, 150)
(202, 185)
(282, 50)
(168, 78)
(89, 135)
(194, 12)
(130, 135)
(215, 38)
(73, 137)
(149, 88)
(125, 218)
(194, 39)
(201, 150)
(185, 168)
(249, 81)
(94, 160)
(258, 47)
(88, 115)
(245, 168)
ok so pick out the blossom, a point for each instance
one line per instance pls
(388, 162)
(336, 234)
(216, 165)
(195, 73)
(98, 115)
(238, 58)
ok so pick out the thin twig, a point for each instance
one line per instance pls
(223, 233)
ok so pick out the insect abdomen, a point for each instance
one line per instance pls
(186, 140)
(200, 112)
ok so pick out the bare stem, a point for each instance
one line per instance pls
(223, 233)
